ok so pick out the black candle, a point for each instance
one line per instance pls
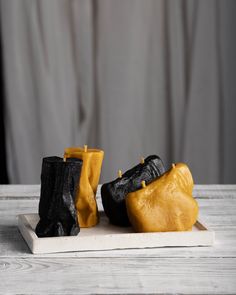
(57, 212)
(114, 193)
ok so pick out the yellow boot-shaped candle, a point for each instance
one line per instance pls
(166, 204)
(85, 201)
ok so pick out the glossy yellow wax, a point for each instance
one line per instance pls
(166, 204)
(85, 201)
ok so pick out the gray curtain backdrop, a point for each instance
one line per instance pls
(131, 77)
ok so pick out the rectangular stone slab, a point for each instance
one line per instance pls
(105, 236)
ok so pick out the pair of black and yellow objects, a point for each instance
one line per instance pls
(68, 192)
(150, 199)
(146, 197)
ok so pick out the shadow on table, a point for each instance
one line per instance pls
(12, 242)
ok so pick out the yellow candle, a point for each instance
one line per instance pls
(165, 204)
(85, 201)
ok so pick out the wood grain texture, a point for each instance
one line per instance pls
(201, 270)
(123, 275)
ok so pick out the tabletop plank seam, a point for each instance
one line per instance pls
(34, 256)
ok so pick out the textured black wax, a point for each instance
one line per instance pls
(114, 193)
(57, 212)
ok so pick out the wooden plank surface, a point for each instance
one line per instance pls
(127, 275)
(202, 270)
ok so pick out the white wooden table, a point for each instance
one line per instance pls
(196, 270)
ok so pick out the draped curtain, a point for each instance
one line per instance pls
(131, 77)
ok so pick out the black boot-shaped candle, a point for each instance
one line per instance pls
(59, 179)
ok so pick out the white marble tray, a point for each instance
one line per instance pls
(105, 236)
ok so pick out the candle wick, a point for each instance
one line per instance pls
(143, 184)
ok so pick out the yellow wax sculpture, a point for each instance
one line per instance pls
(85, 201)
(166, 204)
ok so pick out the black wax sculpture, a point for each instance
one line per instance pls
(57, 210)
(114, 193)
